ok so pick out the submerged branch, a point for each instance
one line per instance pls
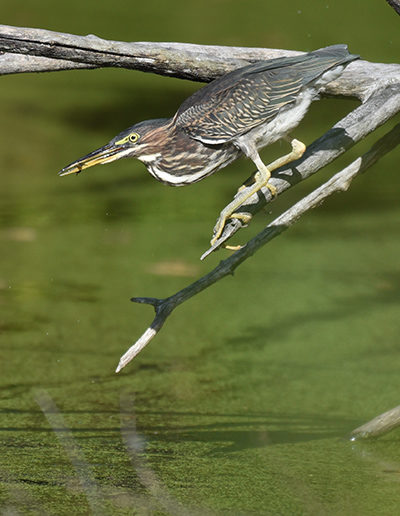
(84, 471)
(339, 182)
(380, 425)
(135, 445)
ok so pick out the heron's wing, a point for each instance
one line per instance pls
(252, 95)
(236, 110)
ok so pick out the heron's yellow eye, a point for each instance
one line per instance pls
(133, 137)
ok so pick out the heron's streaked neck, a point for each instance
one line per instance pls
(162, 144)
(177, 159)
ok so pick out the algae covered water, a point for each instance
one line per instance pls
(244, 402)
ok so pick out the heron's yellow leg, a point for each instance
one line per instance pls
(261, 178)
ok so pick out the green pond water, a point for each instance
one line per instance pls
(245, 401)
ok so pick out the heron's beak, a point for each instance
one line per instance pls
(106, 154)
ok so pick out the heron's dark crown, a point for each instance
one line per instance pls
(158, 140)
(145, 137)
(142, 128)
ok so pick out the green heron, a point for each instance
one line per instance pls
(236, 114)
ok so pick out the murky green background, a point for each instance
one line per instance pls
(243, 404)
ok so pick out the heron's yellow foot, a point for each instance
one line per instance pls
(244, 217)
(261, 179)
(298, 149)
(272, 189)
(225, 215)
(233, 247)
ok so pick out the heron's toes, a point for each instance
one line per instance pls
(272, 189)
(233, 247)
(298, 148)
(244, 217)
(218, 228)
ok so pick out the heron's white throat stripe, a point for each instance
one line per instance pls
(174, 179)
(149, 158)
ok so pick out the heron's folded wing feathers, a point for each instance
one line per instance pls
(250, 102)
(252, 95)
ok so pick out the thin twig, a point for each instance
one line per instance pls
(339, 182)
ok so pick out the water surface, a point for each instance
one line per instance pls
(244, 403)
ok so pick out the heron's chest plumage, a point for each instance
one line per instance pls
(190, 162)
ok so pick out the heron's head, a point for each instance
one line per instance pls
(143, 140)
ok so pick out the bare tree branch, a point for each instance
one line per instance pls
(339, 182)
(395, 4)
(21, 63)
(195, 62)
(188, 61)
(377, 85)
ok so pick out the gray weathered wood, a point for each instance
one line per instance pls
(23, 63)
(196, 62)
(188, 61)
(380, 425)
(395, 4)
